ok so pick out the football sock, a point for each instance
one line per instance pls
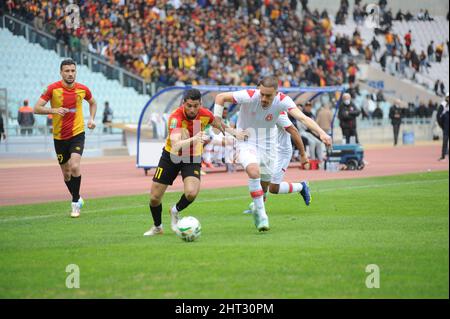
(76, 181)
(69, 185)
(257, 193)
(156, 214)
(266, 194)
(182, 204)
(286, 188)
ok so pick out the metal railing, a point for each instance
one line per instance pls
(39, 138)
(94, 62)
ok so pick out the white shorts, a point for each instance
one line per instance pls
(281, 166)
(251, 154)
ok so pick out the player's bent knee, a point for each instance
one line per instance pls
(191, 195)
(274, 188)
(155, 201)
(75, 169)
(253, 171)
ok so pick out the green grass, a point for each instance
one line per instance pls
(399, 223)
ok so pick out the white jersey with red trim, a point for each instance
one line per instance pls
(261, 121)
(284, 145)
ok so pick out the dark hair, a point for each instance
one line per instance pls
(192, 94)
(269, 81)
(67, 62)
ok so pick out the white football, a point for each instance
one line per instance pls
(189, 228)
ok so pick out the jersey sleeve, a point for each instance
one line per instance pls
(286, 102)
(174, 123)
(88, 95)
(211, 116)
(243, 96)
(283, 121)
(47, 94)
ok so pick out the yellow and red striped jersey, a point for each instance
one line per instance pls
(72, 123)
(178, 120)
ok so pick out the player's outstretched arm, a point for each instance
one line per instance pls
(218, 123)
(92, 112)
(311, 124)
(219, 103)
(297, 139)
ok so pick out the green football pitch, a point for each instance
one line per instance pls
(399, 223)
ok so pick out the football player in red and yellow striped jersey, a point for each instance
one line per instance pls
(182, 153)
(66, 98)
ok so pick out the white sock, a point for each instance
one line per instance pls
(257, 193)
(174, 209)
(286, 188)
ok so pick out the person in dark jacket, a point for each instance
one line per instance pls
(107, 118)
(348, 113)
(2, 129)
(25, 118)
(443, 119)
(395, 114)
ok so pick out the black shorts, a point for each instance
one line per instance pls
(167, 170)
(64, 148)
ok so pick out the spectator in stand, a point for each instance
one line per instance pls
(348, 113)
(399, 16)
(443, 121)
(2, 128)
(431, 108)
(427, 16)
(375, 45)
(424, 62)
(442, 87)
(380, 96)
(422, 110)
(408, 16)
(377, 114)
(314, 143)
(368, 108)
(408, 40)
(25, 118)
(439, 52)
(437, 87)
(430, 51)
(107, 118)
(396, 114)
(324, 118)
(352, 70)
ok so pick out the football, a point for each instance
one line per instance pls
(189, 228)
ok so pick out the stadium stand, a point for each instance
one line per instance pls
(172, 42)
(422, 32)
(28, 68)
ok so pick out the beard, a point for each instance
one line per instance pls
(191, 118)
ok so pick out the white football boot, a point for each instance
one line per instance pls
(174, 217)
(155, 231)
(75, 210)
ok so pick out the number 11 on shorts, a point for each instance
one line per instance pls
(158, 173)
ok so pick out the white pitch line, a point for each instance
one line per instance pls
(13, 219)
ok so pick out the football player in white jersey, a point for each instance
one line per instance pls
(286, 132)
(259, 112)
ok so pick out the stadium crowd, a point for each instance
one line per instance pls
(203, 42)
(171, 42)
(396, 56)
